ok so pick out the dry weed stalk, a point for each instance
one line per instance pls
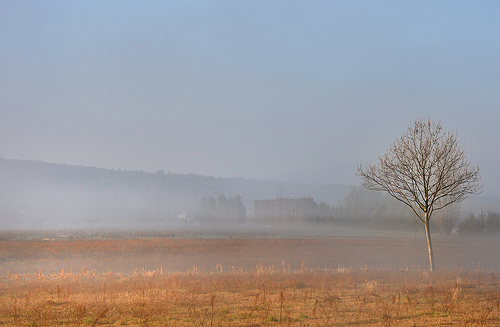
(101, 314)
(313, 297)
(281, 305)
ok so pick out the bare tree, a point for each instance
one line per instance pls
(427, 170)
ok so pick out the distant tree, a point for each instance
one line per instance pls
(286, 210)
(223, 209)
(239, 209)
(325, 213)
(482, 224)
(447, 218)
(369, 209)
(92, 220)
(208, 210)
(492, 222)
(472, 225)
(427, 170)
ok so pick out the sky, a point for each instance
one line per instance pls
(283, 90)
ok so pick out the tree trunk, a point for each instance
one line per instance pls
(429, 244)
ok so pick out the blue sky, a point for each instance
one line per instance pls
(290, 90)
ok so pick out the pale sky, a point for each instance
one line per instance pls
(284, 90)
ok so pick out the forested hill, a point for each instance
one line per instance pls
(40, 194)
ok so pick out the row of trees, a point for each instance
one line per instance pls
(284, 210)
(361, 208)
(368, 209)
(480, 225)
(38, 195)
(222, 210)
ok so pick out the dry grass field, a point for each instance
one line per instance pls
(175, 280)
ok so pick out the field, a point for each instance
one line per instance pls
(237, 279)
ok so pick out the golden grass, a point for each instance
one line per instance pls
(260, 297)
(247, 282)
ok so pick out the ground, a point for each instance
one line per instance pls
(246, 279)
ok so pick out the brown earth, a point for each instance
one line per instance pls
(175, 254)
(181, 280)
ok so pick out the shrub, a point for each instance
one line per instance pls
(492, 223)
(483, 224)
(472, 225)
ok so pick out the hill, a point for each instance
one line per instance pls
(41, 195)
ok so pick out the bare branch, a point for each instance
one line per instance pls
(426, 169)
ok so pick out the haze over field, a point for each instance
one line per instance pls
(284, 90)
(190, 162)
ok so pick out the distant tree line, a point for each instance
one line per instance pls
(36, 194)
(361, 209)
(284, 210)
(483, 224)
(222, 209)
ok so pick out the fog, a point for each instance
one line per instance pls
(57, 218)
(276, 90)
(205, 250)
(42, 196)
(174, 119)
(37, 196)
